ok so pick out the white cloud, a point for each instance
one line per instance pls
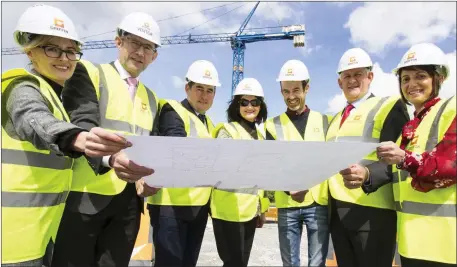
(386, 84)
(178, 82)
(375, 26)
(309, 47)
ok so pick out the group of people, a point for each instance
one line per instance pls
(71, 196)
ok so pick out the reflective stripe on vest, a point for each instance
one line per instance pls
(283, 129)
(117, 124)
(185, 196)
(364, 124)
(32, 199)
(118, 113)
(35, 159)
(237, 205)
(367, 129)
(35, 183)
(428, 220)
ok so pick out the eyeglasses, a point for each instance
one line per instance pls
(148, 49)
(254, 102)
(56, 52)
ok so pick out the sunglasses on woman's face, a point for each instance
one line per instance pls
(254, 102)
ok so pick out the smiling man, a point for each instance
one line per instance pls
(103, 210)
(179, 215)
(304, 207)
(363, 226)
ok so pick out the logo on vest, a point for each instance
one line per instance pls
(357, 118)
(316, 130)
(144, 106)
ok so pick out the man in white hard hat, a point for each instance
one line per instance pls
(179, 215)
(102, 216)
(308, 207)
(362, 225)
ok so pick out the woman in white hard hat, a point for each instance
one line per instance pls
(38, 141)
(237, 213)
(425, 191)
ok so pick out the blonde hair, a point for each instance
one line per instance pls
(39, 40)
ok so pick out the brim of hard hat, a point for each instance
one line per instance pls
(290, 80)
(395, 71)
(358, 67)
(204, 82)
(144, 36)
(17, 34)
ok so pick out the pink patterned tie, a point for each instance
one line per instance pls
(132, 82)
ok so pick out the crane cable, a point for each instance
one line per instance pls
(169, 18)
(210, 19)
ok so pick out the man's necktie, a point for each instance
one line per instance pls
(346, 113)
(132, 82)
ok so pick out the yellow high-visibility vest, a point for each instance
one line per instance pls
(237, 205)
(363, 124)
(282, 128)
(35, 183)
(185, 196)
(118, 114)
(427, 221)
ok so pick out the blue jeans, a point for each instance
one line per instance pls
(290, 228)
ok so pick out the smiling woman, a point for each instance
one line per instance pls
(45, 53)
(38, 140)
(424, 190)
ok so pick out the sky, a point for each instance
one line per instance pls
(385, 30)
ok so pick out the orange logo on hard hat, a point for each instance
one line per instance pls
(59, 23)
(411, 55)
(207, 73)
(352, 59)
(146, 25)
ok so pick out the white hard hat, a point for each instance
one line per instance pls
(204, 72)
(354, 58)
(142, 25)
(44, 20)
(424, 54)
(249, 86)
(293, 70)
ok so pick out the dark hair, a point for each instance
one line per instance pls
(304, 83)
(431, 70)
(233, 110)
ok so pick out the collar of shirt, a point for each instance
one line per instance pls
(122, 72)
(357, 103)
(294, 114)
(189, 107)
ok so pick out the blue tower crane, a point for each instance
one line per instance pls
(238, 41)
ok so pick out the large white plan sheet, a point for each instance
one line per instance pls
(234, 164)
